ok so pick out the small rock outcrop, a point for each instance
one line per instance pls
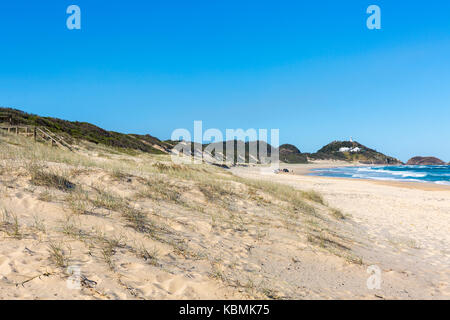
(425, 161)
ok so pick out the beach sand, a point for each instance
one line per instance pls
(402, 227)
(140, 227)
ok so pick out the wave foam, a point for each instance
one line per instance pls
(431, 174)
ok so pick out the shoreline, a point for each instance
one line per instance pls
(399, 226)
(298, 169)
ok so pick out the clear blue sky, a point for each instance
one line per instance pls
(310, 68)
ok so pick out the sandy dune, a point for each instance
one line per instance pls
(103, 224)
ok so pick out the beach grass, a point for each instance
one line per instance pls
(113, 204)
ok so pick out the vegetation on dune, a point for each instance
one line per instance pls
(40, 177)
(132, 144)
(224, 149)
(85, 131)
(364, 155)
(291, 154)
(164, 210)
(263, 154)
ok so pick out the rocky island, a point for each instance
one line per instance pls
(425, 161)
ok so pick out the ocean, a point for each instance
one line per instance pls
(431, 174)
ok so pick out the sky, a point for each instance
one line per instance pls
(311, 69)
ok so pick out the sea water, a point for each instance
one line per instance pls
(433, 174)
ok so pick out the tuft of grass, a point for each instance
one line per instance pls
(10, 224)
(108, 248)
(162, 167)
(325, 241)
(217, 274)
(354, 259)
(39, 224)
(114, 242)
(149, 256)
(42, 178)
(45, 196)
(313, 196)
(337, 214)
(138, 220)
(404, 242)
(73, 231)
(108, 252)
(78, 201)
(180, 247)
(284, 193)
(214, 190)
(270, 293)
(108, 201)
(118, 174)
(158, 189)
(15, 228)
(58, 255)
(250, 286)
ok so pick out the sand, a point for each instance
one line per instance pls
(134, 230)
(27, 270)
(401, 227)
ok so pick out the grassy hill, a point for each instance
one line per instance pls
(163, 219)
(288, 153)
(74, 130)
(365, 155)
(212, 148)
(291, 154)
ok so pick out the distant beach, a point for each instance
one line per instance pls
(400, 226)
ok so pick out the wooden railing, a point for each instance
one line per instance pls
(31, 131)
(22, 130)
(58, 140)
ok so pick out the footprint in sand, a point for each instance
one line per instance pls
(5, 267)
(19, 195)
(172, 285)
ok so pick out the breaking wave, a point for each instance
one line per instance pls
(433, 174)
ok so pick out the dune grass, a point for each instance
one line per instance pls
(337, 214)
(161, 193)
(9, 223)
(58, 255)
(42, 178)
